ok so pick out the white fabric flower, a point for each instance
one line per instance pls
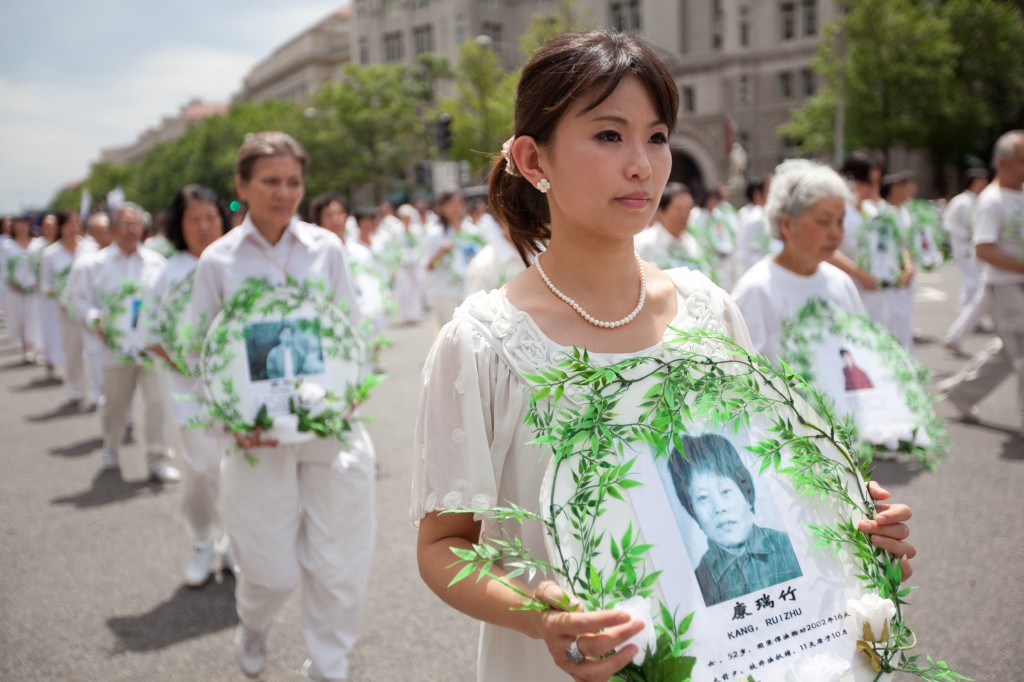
(874, 612)
(310, 392)
(639, 608)
(817, 668)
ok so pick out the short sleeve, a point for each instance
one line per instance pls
(987, 219)
(471, 405)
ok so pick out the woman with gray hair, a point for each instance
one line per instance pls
(805, 210)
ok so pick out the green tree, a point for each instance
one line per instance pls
(482, 112)
(568, 16)
(368, 129)
(989, 77)
(895, 61)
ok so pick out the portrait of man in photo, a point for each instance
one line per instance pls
(716, 489)
(854, 378)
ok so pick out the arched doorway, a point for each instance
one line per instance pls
(686, 171)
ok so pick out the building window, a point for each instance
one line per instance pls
(744, 25)
(492, 30)
(364, 51)
(744, 92)
(810, 17)
(787, 19)
(626, 16)
(807, 82)
(360, 9)
(420, 4)
(392, 8)
(717, 19)
(689, 100)
(423, 39)
(786, 85)
(393, 51)
(460, 29)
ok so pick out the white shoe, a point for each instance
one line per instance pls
(250, 650)
(164, 473)
(111, 462)
(204, 562)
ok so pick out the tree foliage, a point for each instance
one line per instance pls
(943, 77)
(364, 133)
(482, 113)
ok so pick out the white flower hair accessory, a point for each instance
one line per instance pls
(506, 153)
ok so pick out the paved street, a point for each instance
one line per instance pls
(90, 566)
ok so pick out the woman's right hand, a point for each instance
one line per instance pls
(596, 634)
(255, 439)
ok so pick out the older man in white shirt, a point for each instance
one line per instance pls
(102, 277)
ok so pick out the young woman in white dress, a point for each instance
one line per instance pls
(21, 280)
(584, 171)
(195, 219)
(46, 305)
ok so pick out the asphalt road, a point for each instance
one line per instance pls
(90, 563)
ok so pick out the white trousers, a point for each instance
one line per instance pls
(200, 459)
(73, 349)
(1002, 357)
(22, 321)
(49, 328)
(973, 301)
(119, 384)
(892, 309)
(408, 292)
(294, 515)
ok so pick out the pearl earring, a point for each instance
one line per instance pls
(543, 185)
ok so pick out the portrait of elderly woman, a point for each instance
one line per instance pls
(717, 490)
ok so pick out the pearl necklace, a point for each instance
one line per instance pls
(587, 316)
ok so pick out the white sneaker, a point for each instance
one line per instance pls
(251, 650)
(164, 473)
(111, 462)
(204, 560)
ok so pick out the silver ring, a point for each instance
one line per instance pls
(574, 654)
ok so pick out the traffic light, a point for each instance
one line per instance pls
(444, 132)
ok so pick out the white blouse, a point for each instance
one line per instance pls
(472, 446)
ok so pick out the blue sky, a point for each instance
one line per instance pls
(76, 77)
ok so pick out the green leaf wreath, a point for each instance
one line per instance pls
(888, 235)
(167, 324)
(115, 307)
(924, 224)
(818, 318)
(14, 270)
(259, 297)
(721, 390)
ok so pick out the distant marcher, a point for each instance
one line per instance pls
(998, 243)
(958, 221)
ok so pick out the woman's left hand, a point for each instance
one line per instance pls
(888, 530)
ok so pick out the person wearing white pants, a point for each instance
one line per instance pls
(998, 243)
(58, 260)
(105, 276)
(304, 512)
(194, 220)
(957, 221)
(21, 280)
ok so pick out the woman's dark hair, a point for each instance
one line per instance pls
(62, 219)
(708, 453)
(858, 167)
(972, 174)
(444, 198)
(755, 185)
(267, 144)
(176, 213)
(322, 201)
(570, 68)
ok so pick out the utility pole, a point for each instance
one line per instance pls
(839, 136)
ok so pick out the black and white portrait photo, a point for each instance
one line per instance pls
(737, 550)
